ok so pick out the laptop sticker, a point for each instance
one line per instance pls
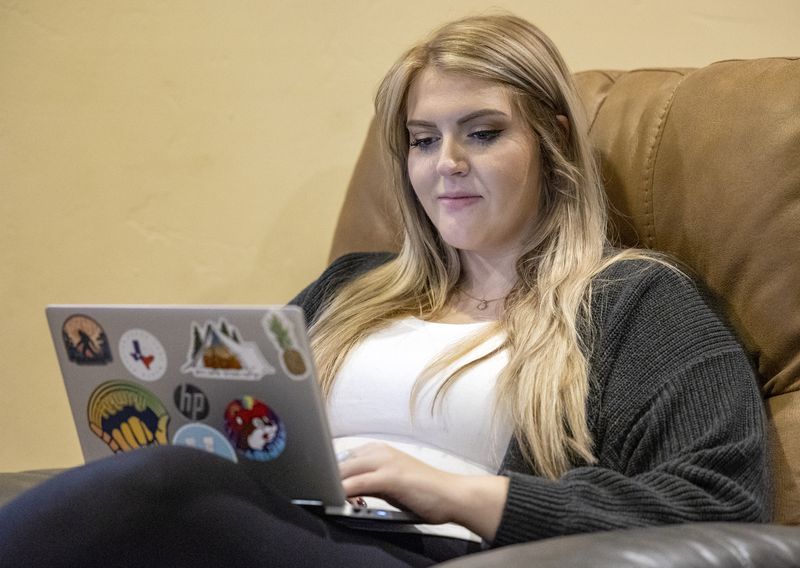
(126, 416)
(217, 351)
(254, 429)
(85, 341)
(281, 333)
(142, 354)
(203, 437)
(191, 402)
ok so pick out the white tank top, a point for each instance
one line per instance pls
(371, 394)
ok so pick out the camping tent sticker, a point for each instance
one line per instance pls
(217, 351)
(281, 333)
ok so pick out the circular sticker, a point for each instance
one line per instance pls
(126, 416)
(203, 437)
(191, 401)
(85, 341)
(254, 429)
(142, 354)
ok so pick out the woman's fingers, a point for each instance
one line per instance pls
(381, 471)
(437, 496)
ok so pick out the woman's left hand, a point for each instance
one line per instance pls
(437, 496)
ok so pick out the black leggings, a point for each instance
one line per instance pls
(175, 506)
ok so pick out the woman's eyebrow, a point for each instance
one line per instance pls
(466, 118)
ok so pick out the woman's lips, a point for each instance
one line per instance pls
(458, 202)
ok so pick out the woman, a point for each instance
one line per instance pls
(506, 336)
(610, 363)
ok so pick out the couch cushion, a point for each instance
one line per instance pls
(705, 165)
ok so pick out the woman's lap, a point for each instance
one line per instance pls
(178, 506)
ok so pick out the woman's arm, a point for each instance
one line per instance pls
(677, 420)
(379, 470)
(696, 453)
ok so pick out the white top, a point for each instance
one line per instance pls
(371, 394)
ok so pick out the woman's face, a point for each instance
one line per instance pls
(473, 162)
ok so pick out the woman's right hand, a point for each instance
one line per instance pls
(379, 470)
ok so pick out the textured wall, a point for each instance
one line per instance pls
(198, 151)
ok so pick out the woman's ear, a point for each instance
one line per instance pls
(564, 122)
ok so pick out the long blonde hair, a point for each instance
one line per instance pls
(546, 317)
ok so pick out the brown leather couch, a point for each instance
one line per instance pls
(703, 164)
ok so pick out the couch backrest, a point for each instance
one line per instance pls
(703, 164)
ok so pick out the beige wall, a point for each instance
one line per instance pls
(197, 151)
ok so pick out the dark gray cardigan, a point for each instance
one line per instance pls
(674, 410)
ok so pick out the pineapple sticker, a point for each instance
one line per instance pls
(281, 333)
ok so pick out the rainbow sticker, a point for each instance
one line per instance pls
(254, 429)
(126, 416)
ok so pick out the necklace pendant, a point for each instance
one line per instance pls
(482, 305)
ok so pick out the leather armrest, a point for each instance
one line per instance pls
(696, 545)
(12, 484)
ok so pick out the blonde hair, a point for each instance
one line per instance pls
(546, 317)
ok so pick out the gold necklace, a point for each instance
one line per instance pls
(483, 303)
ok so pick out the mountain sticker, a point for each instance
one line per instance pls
(218, 351)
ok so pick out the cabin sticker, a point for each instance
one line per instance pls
(218, 351)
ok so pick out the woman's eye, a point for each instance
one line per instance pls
(485, 135)
(423, 142)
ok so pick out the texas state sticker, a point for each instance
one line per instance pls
(126, 416)
(254, 429)
(281, 332)
(203, 437)
(218, 351)
(85, 341)
(142, 354)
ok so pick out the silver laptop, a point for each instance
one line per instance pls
(238, 382)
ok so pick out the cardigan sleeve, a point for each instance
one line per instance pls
(676, 415)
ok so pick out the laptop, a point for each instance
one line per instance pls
(238, 382)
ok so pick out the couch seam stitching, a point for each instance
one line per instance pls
(649, 172)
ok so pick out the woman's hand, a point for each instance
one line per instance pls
(437, 496)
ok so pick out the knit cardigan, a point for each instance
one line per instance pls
(676, 418)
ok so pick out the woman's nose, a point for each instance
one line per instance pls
(452, 159)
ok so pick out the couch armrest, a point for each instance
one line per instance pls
(695, 545)
(12, 484)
